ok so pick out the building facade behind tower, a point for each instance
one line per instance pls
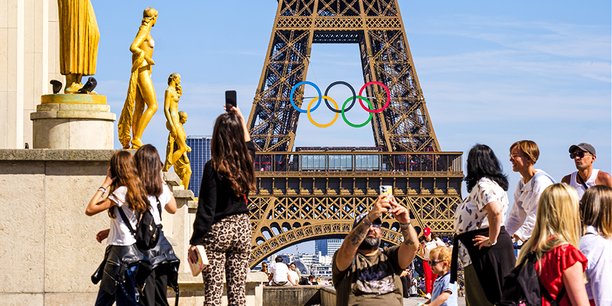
(199, 155)
(327, 247)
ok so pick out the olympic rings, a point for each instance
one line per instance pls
(352, 91)
(298, 85)
(344, 108)
(386, 90)
(319, 124)
(350, 123)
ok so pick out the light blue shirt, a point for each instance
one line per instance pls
(442, 284)
(598, 250)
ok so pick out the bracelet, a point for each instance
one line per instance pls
(102, 189)
(404, 226)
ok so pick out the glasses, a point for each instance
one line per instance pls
(435, 262)
(579, 154)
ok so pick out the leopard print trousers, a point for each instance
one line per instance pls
(228, 247)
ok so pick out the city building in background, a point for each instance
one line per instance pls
(327, 247)
(199, 155)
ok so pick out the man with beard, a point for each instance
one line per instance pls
(584, 155)
(363, 274)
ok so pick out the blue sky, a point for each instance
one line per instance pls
(492, 72)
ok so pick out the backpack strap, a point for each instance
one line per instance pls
(159, 208)
(548, 297)
(126, 221)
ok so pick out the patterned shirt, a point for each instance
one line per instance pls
(471, 214)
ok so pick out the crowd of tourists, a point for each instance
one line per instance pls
(562, 229)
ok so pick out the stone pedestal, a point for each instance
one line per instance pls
(77, 121)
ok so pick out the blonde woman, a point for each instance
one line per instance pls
(560, 264)
(596, 244)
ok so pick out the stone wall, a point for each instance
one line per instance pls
(291, 295)
(47, 243)
(48, 249)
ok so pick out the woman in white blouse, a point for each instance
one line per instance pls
(522, 217)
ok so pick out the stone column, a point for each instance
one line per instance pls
(73, 121)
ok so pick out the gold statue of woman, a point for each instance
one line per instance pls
(177, 132)
(134, 118)
(177, 148)
(79, 37)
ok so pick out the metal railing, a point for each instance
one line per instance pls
(358, 161)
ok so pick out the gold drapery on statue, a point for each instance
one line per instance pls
(79, 37)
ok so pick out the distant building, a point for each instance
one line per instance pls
(327, 247)
(199, 155)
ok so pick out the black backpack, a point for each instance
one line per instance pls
(147, 232)
(522, 286)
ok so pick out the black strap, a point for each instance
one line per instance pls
(581, 181)
(126, 221)
(159, 208)
(548, 297)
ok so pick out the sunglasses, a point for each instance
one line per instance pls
(435, 262)
(579, 154)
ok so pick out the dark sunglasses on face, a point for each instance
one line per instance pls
(579, 154)
(434, 262)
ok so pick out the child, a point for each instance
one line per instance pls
(444, 293)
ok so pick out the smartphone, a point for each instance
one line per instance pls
(230, 99)
(386, 190)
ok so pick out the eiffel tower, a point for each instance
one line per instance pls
(313, 193)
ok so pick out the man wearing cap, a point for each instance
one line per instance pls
(363, 274)
(584, 156)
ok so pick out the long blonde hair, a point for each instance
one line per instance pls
(557, 221)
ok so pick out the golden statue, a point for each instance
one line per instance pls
(182, 166)
(79, 36)
(177, 148)
(134, 118)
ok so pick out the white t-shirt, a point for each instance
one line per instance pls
(119, 232)
(598, 251)
(293, 276)
(280, 271)
(164, 198)
(471, 214)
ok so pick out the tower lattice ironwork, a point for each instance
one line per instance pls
(316, 193)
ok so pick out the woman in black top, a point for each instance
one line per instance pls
(222, 222)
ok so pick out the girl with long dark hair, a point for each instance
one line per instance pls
(222, 221)
(481, 241)
(125, 192)
(163, 261)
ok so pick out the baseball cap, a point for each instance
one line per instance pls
(584, 147)
(363, 215)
